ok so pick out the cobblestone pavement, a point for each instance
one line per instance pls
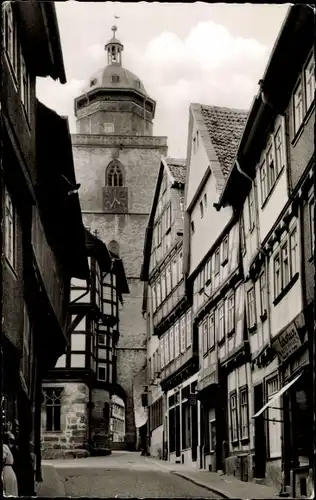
(122, 475)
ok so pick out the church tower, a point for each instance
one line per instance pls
(117, 159)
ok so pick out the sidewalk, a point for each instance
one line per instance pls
(225, 485)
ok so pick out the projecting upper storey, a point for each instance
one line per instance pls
(114, 101)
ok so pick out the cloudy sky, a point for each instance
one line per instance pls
(183, 52)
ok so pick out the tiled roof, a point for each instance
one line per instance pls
(177, 168)
(225, 127)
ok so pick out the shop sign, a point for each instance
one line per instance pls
(287, 342)
(208, 377)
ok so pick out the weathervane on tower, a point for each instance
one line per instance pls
(114, 47)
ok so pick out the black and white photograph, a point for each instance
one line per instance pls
(157, 241)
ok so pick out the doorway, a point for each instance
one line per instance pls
(177, 429)
(260, 442)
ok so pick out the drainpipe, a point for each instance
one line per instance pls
(1, 249)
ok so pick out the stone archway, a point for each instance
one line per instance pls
(126, 398)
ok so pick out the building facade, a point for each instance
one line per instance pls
(172, 355)
(77, 393)
(117, 159)
(42, 230)
(274, 169)
(214, 275)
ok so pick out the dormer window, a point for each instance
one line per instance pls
(115, 78)
(93, 81)
(138, 84)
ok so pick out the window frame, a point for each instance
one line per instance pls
(263, 181)
(225, 250)
(25, 86)
(233, 436)
(205, 336)
(263, 292)
(251, 313)
(311, 219)
(221, 322)
(211, 331)
(244, 391)
(309, 102)
(58, 390)
(188, 328)
(296, 125)
(232, 320)
(217, 263)
(12, 47)
(10, 230)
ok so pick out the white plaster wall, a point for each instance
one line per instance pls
(208, 228)
(156, 442)
(274, 205)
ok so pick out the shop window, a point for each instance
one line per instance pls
(186, 425)
(53, 409)
(172, 430)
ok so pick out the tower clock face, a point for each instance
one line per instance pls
(115, 199)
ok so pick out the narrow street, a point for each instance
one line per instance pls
(122, 475)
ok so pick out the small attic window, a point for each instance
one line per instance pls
(115, 78)
(93, 81)
(138, 84)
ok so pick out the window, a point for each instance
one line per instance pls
(53, 409)
(271, 167)
(263, 181)
(251, 207)
(168, 279)
(25, 85)
(101, 339)
(262, 285)
(102, 369)
(221, 322)
(310, 82)
(251, 307)
(298, 107)
(174, 272)
(114, 175)
(293, 249)
(156, 414)
(166, 340)
(225, 250)
(163, 287)
(211, 331)
(115, 78)
(176, 340)
(201, 209)
(154, 299)
(189, 329)
(212, 438)
(192, 226)
(231, 313)
(244, 421)
(208, 271)
(182, 333)
(10, 37)
(285, 264)
(277, 275)
(204, 336)
(312, 223)
(158, 291)
(162, 352)
(242, 236)
(194, 145)
(205, 200)
(10, 230)
(171, 343)
(217, 262)
(233, 417)
(279, 150)
(180, 266)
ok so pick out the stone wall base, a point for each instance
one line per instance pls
(64, 454)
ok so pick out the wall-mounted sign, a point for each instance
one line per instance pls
(287, 342)
(208, 376)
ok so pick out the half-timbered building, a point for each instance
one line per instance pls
(77, 393)
(213, 274)
(42, 231)
(172, 354)
(274, 172)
